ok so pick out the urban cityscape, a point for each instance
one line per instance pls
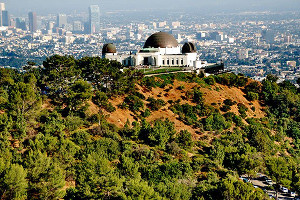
(252, 43)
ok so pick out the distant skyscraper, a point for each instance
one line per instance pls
(268, 36)
(32, 22)
(94, 19)
(12, 22)
(86, 28)
(50, 26)
(2, 8)
(21, 24)
(61, 20)
(5, 18)
(77, 26)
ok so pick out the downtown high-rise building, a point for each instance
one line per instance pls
(61, 20)
(2, 8)
(32, 22)
(21, 24)
(268, 35)
(94, 19)
(5, 18)
(77, 26)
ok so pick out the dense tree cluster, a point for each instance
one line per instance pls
(51, 147)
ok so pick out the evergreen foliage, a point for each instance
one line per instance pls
(52, 147)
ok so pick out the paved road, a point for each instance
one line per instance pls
(262, 184)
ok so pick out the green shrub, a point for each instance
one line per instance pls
(146, 113)
(238, 120)
(139, 95)
(134, 103)
(81, 137)
(252, 96)
(197, 96)
(110, 108)
(184, 139)
(229, 102)
(100, 99)
(155, 104)
(254, 87)
(230, 79)
(180, 87)
(225, 108)
(159, 134)
(229, 116)
(210, 80)
(123, 106)
(94, 118)
(170, 101)
(149, 82)
(173, 148)
(73, 122)
(216, 122)
(242, 110)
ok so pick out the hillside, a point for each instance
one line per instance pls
(213, 95)
(81, 129)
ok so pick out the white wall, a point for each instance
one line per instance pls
(168, 51)
(161, 60)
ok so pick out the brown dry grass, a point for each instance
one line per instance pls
(212, 95)
(235, 94)
(47, 105)
(120, 116)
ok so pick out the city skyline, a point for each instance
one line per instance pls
(200, 6)
(267, 42)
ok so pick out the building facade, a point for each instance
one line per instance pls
(61, 20)
(160, 50)
(94, 19)
(2, 8)
(32, 22)
(5, 18)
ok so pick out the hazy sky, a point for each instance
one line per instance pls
(67, 6)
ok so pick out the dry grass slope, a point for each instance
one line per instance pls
(213, 95)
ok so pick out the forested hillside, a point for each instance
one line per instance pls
(83, 129)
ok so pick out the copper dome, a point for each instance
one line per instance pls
(109, 48)
(162, 40)
(189, 48)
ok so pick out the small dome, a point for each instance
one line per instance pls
(189, 47)
(162, 40)
(109, 48)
